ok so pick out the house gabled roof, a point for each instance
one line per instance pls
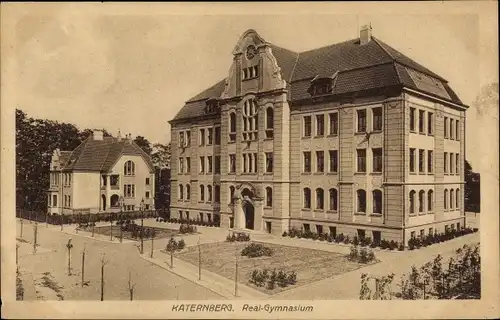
(358, 67)
(102, 155)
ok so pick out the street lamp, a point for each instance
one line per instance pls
(141, 208)
(120, 201)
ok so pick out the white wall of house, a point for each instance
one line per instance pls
(86, 190)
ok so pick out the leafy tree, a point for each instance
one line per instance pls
(161, 155)
(144, 144)
(472, 192)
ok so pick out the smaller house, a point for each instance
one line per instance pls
(103, 174)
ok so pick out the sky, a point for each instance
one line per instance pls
(133, 72)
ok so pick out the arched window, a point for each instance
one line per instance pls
(181, 191)
(320, 199)
(115, 200)
(209, 191)
(269, 122)
(361, 201)
(231, 194)
(421, 205)
(269, 197)
(452, 202)
(377, 201)
(457, 199)
(188, 192)
(250, 119)
(307, 198)
(217, 194)
(430, 200)
(445, 199)
(333, 199)
(129, 168)
(412, 201)
(232, 126)
(202, 192)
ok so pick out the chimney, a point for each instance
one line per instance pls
(98, 134)
(119, 136)
(365, 35)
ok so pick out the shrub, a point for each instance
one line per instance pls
(339, 238)
(270, 279)
(401, 247)
(285, 234)
(346, 239)
(353, 255)
(256, 250)
(187, 228)
(181, 244)
(355, 241)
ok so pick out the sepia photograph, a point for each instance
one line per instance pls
(250, 160)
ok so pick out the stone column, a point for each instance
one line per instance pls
(258, 213)
(239, 215)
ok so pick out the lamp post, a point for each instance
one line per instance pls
(121, 215)
(141, 208)
(111, 226)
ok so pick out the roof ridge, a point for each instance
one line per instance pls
(106, 158)
(384, 49)
(330, 45)
(73, 151)
(293, 69)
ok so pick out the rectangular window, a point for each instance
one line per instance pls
(320, 125)
(202, 137)
(446, 127)
(361, 157)
(147, 181)
(377, 119)
(181, 165)
(413, 234)
(307, 161)
(217, 164)
(188, 164)
(333, 160)
(430, 123)
(307, 227)
(446, 162)
(147, 194)
(421, 160)
(334, 123)
(431, 231)
(269, 162)
(244, 159)
(452, 129)
(377, 159)
(457, 130)
(217, 135)
(202, 164)
(457, 163)
(307, 126)
(210, 136)
(255, 169)
(232, 163)
(320, 161)
(412, 119)
(210, 164)
(188, 138)
(412, 159)
(421, 121)
(361, 120)
(452, 167)
(129, 190)
(182, 142)
(430, 161)
(422, 233)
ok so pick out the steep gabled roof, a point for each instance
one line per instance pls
(101, 155)
(358, 68)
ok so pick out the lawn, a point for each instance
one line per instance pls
(310, 265)
(160, 232)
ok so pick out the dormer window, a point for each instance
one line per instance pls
(321, 86)
(251, 72)
(212, 106)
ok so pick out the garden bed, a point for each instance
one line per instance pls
(309, 265)
(160, 233)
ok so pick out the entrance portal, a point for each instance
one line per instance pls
(249, 210)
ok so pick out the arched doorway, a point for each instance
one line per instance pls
(103, 202)
(249, 211)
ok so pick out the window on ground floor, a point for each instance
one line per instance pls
(319, 229)
(377, 237)
(333, 231)
(307, 227)
(361, 234)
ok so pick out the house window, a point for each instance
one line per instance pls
(457, 130)
(334, 123)
(412, 119)
(269, 122)
(129, 190)
(319, 199)
(333, 199)
(334, 161)
(307, 126)
(217, 164)
(209, 192)
(210, 164)
(412, 201)
(202, 164)
(54, 200)
(251, 72)
(188, 164)
(422, 233)
(269, 162)
(430, 161)
(307, 227)
(431, 231)
(452, 128)
(361, 120)
(181, 165)
(421, 196)
(361, 201)
(421, 160)
(446, 127)
(210, 136)
(320, 161)
(232, 163)
(147, 181)
(113, 180)
(421, 121)
(430, 123)
(129, 168)
(452, 167)
(377, 201)
(413, 234)
(446, 162)
(361, 160)
(217, 194)
(377, 119)
(202, 192)
(269, 197)
(232, 127)
(232, 190)
(452, 202)
(320, 125)
(445, 199)
(333, 231)
(188, 138)
(307, 198)
(147, 194)
(457, 199)
(377, 159)
(412, 159)
(181, 192)
(319, 229)
(430, 200)
(250, 120)
(457, 163)
(322, 88)
(188, 192)
(217, 136)
(182, 142)
(202, 137)
(307, 161)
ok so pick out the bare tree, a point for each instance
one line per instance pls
(83, 265)
(35, 236)
(69, 246)
(103, 263)
(22, 227)
(131, 286)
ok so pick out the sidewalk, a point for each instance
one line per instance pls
(209, 280)
(28, 284)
